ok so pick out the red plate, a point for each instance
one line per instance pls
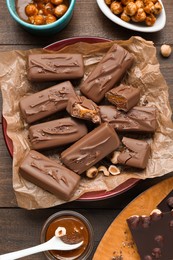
(97, 195)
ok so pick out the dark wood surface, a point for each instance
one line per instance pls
(21, 228)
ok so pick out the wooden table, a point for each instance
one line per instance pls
(21, 228)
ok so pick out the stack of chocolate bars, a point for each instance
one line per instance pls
(110, 106)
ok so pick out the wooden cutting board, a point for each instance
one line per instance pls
(117, 243)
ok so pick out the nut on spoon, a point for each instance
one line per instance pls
(55, 243)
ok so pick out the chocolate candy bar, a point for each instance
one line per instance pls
(124, 97)
(110, 70)
(54, 66)
(167, 203)
(153, 235)
(46, 102)
(49, 175)
(138, 119)
(56, 133)
(81, 107)
(91, 148)
(135, 154)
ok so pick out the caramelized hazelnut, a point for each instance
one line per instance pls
(56, 2)
(149, 8)
(116, 7)
(50, 19)
(139, 4)
(150, 20)
(39, 19)
(125, 17)
(131, 9)
(60, 10)
(108, 2)
(140, 15)
(157, 8)
(31, 10)
(125, 2)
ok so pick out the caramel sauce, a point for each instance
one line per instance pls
(76, 231)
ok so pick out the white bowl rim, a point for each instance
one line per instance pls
(40, 27)
(159, 24)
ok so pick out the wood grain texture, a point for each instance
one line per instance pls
(118, 241)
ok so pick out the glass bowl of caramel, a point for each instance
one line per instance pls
(41, 17)
(77, 227)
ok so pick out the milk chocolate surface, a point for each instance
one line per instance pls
(91, 148)
(56, 133)
(167, 203)
(138, 119)
(56, 66)
(49, 175)
(153, 235)
(124, 97)
(110, 70)
(84, 108)
(46, 102)
(136, 153)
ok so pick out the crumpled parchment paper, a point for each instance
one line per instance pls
(145, 74)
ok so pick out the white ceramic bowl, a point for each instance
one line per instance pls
(159, 24)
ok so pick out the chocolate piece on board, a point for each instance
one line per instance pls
(84, 108)
(153, 235)
(46, 102)
(91, 148)
(167, 203)
(136, 153)
(110, 70)
(56, 133)
(49, 175)
(54, 66)
(124, 97)
(138, 119)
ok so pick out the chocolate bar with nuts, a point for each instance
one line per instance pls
(153, 235)
(124, 97)
(136, 153)
(167, 203)
(46, 102)
(91, 148)
(54, 66)
(109, 71)
(49, 175)
(56, 133)
(83, 108)
(138, 119)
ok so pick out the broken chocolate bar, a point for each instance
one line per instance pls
(110, 70)
(138, 119)
(91, 148)
(167, 203)
(46, 102)
(124, 97)
(54, 66)
(56, 133)
(136, 153)
(81, 107)
(49, 175)
(153, 235)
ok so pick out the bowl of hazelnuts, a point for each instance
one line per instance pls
(41, 16)
(137, 15)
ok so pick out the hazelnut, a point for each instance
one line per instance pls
(125, 17)
(108, 2)
(116, 7)
(157, 8)
(125, 2)
(113, 170)
(31, 10)
(50, 18)
(130, 9)
(103, 169)
(60, 231)
(140, 15)
(150, 20)
(139, 4)
(92, 172)
(165, 50)
(39, 19)
(114, 158)
(56, 2)
(60, 10)
(149, 8)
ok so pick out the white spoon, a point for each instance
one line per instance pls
(55, 243)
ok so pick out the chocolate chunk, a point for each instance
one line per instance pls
(154, 242)
(91, 148)
(124, 97)
(54, 66)
(138, 119)
(49, 175)
(167, 203)
(46, 102)
(110, 70)
(81, 107)
(135, 154)
(56, 133)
